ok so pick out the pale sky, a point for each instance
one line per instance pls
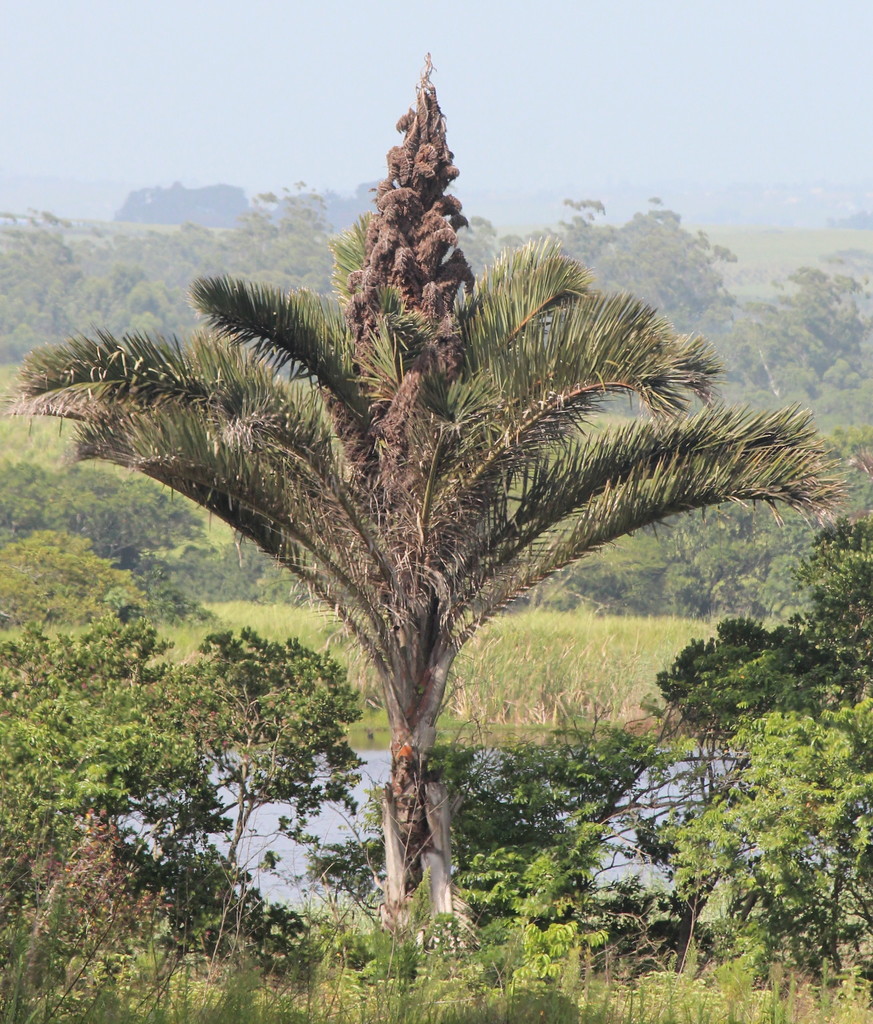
(538, 95)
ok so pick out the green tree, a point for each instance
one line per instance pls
(277, 720)
(89, 734)
(427, 456)
(38, 272)
(788, 844)
(820, 657)
(52, 280)
(102, 727)
(282, 242)
(733, 561)
(51, 578)
(809, 345)
(654, 257)
(137, 526)
(125, 519)
(767, 805)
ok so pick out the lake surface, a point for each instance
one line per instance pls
(332, 825)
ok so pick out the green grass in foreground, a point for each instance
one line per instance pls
(439, 996)
(528, 668)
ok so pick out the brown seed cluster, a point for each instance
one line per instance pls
(412, 247)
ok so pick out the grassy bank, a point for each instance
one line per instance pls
(546, 667)
(529, 669)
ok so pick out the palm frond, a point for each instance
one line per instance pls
(603, 345)
(349, 252)
(521, 287)
(620, 480)
(66, 380)
(269, 494)
(398, 341)
(299, 331)
(144, 404)
(85, 377)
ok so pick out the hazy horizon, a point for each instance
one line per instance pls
(542, 99)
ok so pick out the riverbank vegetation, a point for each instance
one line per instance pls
(657, 762)
(711, 863)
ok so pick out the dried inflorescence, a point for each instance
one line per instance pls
(412, 247)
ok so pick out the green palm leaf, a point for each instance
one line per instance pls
(299, 331)
(618, 481)
(521, 287)
(349, 251)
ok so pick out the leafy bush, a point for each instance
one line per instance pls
(109, 751)
(52, 578)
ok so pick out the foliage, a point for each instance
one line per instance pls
(450, 990)
(51, 578)
(733, 560)
(125, 519)
(38, 276)
(775, 840)
(839, 578)
(53, 281)
(744, 671)
(138, 527)
(281, 241)
(100, 728)
(278, 717)
(756, 823)
(654, 257)
(525, 801)
(85, 927)
(791, 843)
(651, 256)
(811, 345)
(90, 725)
(820, 657)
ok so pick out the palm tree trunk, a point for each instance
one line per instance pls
(416, 821)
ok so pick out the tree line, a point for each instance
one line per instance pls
(810, 345)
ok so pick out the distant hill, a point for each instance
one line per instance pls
(861, 221)
(79, 200)
(215, 206)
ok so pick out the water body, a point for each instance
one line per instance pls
(287, 883)
(332, 825)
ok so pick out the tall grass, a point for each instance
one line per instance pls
(408, 986)
(545, 667)
(310, 625)
(529, 668)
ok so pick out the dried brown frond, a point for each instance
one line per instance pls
(412, 247)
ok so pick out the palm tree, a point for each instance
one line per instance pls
(418, 455)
